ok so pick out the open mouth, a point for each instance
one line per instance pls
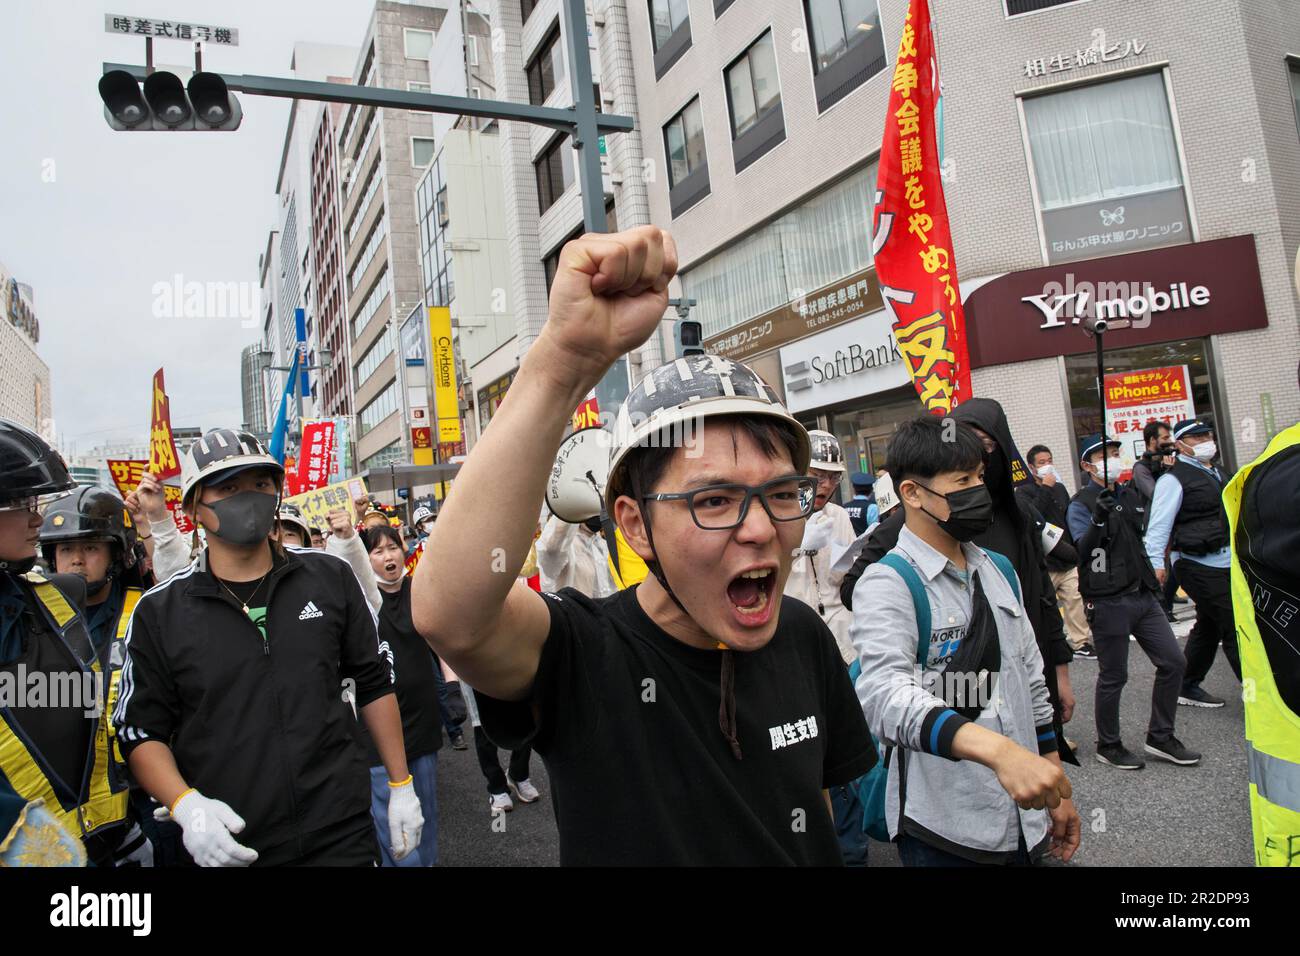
(750, 593)
(390, 567)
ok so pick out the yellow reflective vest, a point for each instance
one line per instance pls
(105, 803)
(1272, 728)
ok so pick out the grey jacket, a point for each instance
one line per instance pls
(956, 805)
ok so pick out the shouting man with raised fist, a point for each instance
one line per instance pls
(698, 717)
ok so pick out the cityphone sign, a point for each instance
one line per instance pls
(1185, 291)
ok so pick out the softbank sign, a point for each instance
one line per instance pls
(843, 363)
(1072, 302)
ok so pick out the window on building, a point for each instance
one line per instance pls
(847, 46)
(545, 69)
(825, 238)
(1017, 7)
(471, 50)
(375, 355)
(670, 30)
(415, 87)
(554, 172)
(421, 151)
(418, 43)
(489, 399)
(719, 6)
(1105, 160)
(754, 102)
(1295, 89)
(688, 168)
(526, 8)
(388, 455)
(379, 408)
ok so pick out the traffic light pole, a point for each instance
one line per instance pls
(583, 122)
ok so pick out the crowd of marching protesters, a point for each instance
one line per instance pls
(749, 654)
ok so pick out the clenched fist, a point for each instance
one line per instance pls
(609, 295)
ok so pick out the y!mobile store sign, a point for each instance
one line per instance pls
(1175, 292)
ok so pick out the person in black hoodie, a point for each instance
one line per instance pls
(1017, 532)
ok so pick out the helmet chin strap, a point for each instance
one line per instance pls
(653, 564)
(18, 567)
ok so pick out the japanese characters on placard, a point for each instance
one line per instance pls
(314, 462)
(913, 242)
(169, 30)
(126, 477)
(1145, 395)
(316, 505)
(162, 447)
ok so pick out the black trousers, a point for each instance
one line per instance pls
(1170, 592)
(491, 766)
(1210, 588)
(1114, 619)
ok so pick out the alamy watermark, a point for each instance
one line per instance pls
(181, 299)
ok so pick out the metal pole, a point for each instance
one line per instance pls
(612, 389)
(1101, 395)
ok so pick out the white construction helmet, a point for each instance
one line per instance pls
(222, 451)
(826, 452)
(680, 395)
(422, 514)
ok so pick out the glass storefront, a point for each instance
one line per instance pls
(864, 428)
(1081, 379)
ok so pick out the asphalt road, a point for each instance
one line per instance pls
(1163, 815)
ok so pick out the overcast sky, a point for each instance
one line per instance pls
(125, 211)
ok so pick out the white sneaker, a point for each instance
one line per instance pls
(500, 803)
(524, 790)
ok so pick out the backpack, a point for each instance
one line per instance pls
(871, 785)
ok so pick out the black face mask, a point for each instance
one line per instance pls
(593, 525)
(246, 518)
(970, 512)
(996, 471)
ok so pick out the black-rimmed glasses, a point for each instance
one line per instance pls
(725, 506)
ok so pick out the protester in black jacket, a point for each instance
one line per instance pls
(1016, 532)
(229, 710)
(1046, 492)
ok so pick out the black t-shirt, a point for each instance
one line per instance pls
(627, 720)
(416, 685)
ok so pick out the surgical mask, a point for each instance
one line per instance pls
(970, 512)
(1047, 470)
(245, 518)
(1111, 470)
(1204, 451)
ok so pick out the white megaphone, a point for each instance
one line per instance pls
(576, 484)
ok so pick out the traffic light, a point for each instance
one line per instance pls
(690, 337)
(165, 104)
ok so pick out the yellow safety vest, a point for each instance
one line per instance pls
(130, 597)
(1272, 728)
(106, 804)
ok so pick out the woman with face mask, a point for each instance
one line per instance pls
(229, 711)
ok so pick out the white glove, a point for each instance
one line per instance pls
(817, 533)
(207, 825)
(405, 821)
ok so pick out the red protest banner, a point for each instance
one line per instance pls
(913, 241)
(162, 448)
(126, 474)
(317, 453)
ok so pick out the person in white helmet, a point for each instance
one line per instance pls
(696, 718)
(828, 532)
(228, 712)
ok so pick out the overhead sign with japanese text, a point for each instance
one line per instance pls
(841, 301)
(162, 447)
(151, 28)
